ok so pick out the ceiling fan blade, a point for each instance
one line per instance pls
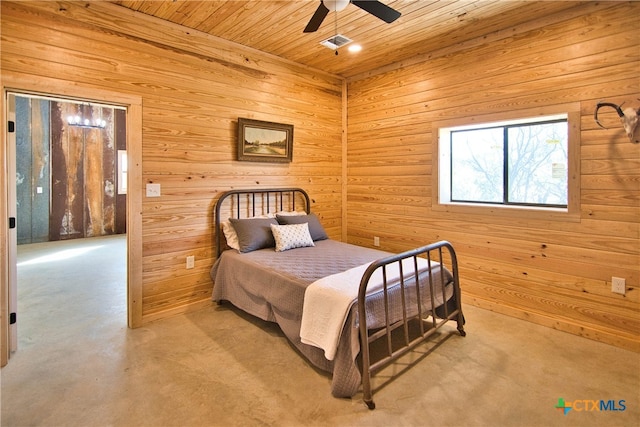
(317, 18)
(378, 9)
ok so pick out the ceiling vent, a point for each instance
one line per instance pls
(336, 41)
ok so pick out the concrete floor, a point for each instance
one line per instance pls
(79, 365)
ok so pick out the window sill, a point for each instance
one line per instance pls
(509, 211)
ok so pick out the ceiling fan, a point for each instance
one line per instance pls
(374, 7)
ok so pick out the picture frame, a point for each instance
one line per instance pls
(261, 141)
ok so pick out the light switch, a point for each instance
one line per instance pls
(153, 190)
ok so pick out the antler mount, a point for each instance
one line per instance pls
(629, 118)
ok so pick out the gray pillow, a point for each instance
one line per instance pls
(254, 233)
(315, 228)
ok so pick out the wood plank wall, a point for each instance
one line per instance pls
(65, 175)
(553, 273)
(83, 174)
(194, 88)
(32, 169)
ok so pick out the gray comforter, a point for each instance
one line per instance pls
(271, 285)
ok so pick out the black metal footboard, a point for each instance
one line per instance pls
(423, 284)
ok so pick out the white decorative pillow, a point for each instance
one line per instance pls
(230, 235)
(291, 236)
(291, 213)
(315, 228)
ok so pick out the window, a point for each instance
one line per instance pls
(122, 172)
(520, 163)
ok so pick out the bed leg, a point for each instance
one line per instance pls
(370, 403)
(367, 393)
(463, 333)
(461, 330)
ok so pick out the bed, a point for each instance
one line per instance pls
(334, 301)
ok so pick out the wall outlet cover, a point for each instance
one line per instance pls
(618, 285)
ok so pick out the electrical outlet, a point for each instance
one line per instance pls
(376, 241)
(191, 261)
(618, 285)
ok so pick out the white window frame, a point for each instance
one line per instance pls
(441, 186)
(123, 169)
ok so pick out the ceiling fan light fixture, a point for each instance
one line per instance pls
(335, 5)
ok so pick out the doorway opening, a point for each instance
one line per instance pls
(56, 128)
(70, 184)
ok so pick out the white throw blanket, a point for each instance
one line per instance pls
(327, 302)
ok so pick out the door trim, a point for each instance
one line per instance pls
(12, 82)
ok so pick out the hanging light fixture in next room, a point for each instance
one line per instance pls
(80, 121)
(86, 123)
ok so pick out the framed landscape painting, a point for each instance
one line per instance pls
(260, 141)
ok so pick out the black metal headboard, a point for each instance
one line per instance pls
(270, 200)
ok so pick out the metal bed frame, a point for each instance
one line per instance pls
(429, 321)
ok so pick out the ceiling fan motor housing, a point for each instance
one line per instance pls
(335, 5)
(374, 7)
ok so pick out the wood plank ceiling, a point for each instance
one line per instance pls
(425, 27)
